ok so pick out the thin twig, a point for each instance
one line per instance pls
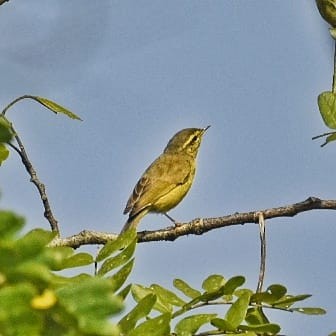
(197, 226)
(48, 214)
(14, 102)
(262, 232)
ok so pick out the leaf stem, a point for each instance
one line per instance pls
(14, 102)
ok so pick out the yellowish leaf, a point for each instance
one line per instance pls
(44, 301)
(56, 108)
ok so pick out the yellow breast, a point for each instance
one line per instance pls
(173, 197)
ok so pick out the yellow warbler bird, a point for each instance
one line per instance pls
(167, 180)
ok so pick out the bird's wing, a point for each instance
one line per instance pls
(162, 176)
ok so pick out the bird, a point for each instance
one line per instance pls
(167, 180)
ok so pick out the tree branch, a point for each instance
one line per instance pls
(3, 1)
(48, 214)
(35, 180)
(199, 226)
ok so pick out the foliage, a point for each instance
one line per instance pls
(244, 314)
(7, 131)
(36, 300)
(5, 136)
(327, 100)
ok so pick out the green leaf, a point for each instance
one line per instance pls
(211, 296)
(167, 296)
(190, 325)
(54, 107)
(233, 283)
(269, 328)
(119, 259)
(123, 240)
(4, 153)
(34, 242)
(327, 105)
(158, 326)
(256, 316)
(28, 247)
(31, 272)
(237, 312)
(213, 282)
(332, 334)
(16, 315)
(54, 256)
(91, 302)
(272, 294)
(62, 280)
(186, 289)
(222, 324)
(277, 290)
(6, 133)
(79, 259)
(119, 278)
(141, 310)
(124, 292)
(139, 292)
(310, 310)
(10, 223)
(288, 300)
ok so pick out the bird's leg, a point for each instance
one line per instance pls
(172, 219)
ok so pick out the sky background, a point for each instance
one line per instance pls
(139, 71)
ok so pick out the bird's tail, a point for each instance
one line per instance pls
(133, 221)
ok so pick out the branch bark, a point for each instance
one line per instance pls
(48, 214)
(3, 1)
(199, 226)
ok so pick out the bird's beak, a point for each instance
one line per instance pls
(205, 128)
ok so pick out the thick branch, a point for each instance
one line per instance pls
(199, 226)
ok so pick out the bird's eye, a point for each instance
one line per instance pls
(194, 139)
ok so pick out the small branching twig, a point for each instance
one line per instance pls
(48, 214)
(57, 109)
(197, 226)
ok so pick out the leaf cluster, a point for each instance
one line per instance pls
(241, 311)
(36, 300)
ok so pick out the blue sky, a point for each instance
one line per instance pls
(139, 71)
